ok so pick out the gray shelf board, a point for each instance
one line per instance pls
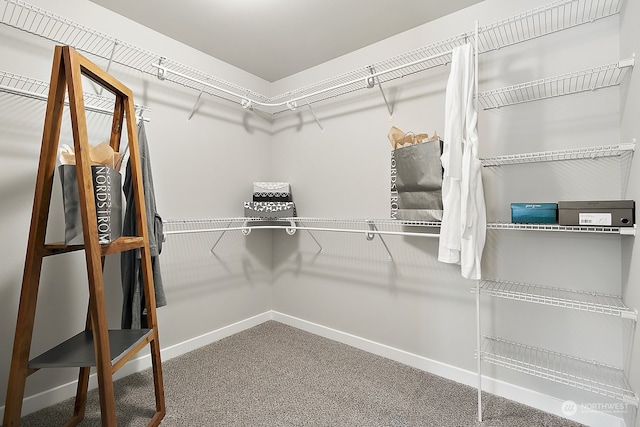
(78, 351)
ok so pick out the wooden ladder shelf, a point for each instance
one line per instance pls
(96, 346)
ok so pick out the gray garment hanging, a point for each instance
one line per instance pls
(133, 303)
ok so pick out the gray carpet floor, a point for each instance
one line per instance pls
(277, 375)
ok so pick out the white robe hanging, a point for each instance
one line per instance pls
(464, 222)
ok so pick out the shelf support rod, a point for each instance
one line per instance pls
(195, 106)
(212, 250)
(313, 113)
(371, 236)
(315, 240)
(113, 51)
(371, 82)
(478, 328)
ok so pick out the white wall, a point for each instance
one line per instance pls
(630, 129)
(413, 304)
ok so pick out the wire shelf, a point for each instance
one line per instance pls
(21, 85)
(565, 298)
(400, 66)
(553, 17)
(34, 20)
(546, 19)
(364, 226)
(626, 231)
(36, 89)
(558, 155)
(583, 374)
(565, 84)
(384, 225)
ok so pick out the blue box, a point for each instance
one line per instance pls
(534, 213)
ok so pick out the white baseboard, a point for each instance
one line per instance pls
(528, 397)
(500, 388)
(65, 391)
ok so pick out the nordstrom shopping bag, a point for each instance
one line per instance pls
(107, 188)
(416, 181)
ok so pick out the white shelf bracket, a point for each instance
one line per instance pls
(371, 82)
(292, 229)
(162, 70)
(246, 103)
(372, 234)
(140, 117)
(629, 146)
(631, 400)
(628, 231)
(246, 230)
(632, 315)
(624, 63)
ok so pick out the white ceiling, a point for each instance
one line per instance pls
(273, 39)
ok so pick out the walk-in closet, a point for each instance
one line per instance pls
(370, 325)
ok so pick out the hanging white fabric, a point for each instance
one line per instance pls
(464, 222)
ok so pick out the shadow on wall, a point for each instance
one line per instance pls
(204, 263)
(404, 264)
(427, 85)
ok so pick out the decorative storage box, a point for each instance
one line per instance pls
(534, 213)
(270, 200)
(269, 209)
(271, 192)
(615, 213)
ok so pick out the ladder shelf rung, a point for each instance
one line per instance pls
(78, 351)
(121, 244)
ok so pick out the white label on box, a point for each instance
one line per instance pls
(594, 219)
